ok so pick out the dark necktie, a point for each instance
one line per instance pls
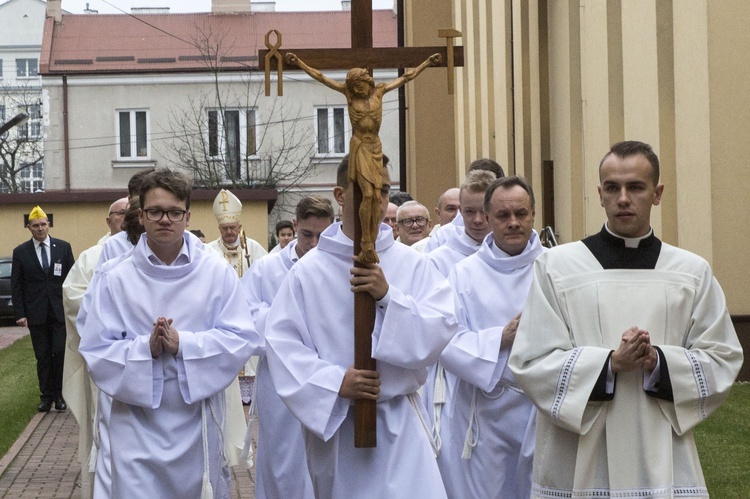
(45, 261)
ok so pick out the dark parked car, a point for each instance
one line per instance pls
(6, 302)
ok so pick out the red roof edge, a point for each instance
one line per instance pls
(108, 195)
(46, 54)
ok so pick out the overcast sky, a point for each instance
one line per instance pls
(117, 6)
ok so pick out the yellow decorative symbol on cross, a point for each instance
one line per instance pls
(273, 53)
(224, 200)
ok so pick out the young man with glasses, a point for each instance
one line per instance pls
(413, 222)
(167, 330)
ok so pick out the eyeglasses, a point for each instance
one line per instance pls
(409, 222)
(155, 215)
(122, 213)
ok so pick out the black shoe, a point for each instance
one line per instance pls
(60, 404)
(44, 406)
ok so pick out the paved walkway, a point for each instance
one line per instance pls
(43, 463)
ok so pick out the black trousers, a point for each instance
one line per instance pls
(48, 340)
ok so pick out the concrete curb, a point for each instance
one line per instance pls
(20, 442)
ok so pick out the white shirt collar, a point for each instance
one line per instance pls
(37, 243)
(183, 257)
(630, 242)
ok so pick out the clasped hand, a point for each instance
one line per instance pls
(164, 338)
(635, 352)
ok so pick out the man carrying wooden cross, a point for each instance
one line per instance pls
(310, 347)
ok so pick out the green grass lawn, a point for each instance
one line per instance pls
(724, 446)
(19, 391)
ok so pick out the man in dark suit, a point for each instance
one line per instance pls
(40, 266)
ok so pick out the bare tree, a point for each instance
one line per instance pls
(21, 147)
(225, 139)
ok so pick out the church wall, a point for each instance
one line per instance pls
(566, 118)
(727, 167)
(670, 73)
(431, 163)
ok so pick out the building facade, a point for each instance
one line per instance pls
(184, 91)
(21, 148)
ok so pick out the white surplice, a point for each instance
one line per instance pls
(241, 260)
(437, 394)
(115, 246)
(448, 231)
(453, 251)
(489, 436)
(237, 257)
(310, 345)
(634, 445)
(280, 463)
(78, 390)
(109, 255)
(157, 433)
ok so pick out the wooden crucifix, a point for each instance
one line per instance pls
(363, 55)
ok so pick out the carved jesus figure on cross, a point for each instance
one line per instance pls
(365, 103)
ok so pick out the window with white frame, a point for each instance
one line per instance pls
(133, 132)
(330, 131)
(35, 121)
(32, 128)
(35, 111)
(22, 131)
(232, 138)
(32, 178)
(27, 68)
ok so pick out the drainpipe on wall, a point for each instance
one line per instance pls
(403, 186)
(65, 133)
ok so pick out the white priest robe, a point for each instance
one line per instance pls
(633, 445)
(78, 390)
(236, 256)
(437, 394)
(115, 246)
(168, 413)
(99, 453)
(238, 259)
(441, 236)
(109, 255)
(453, 251)
(489, 435)
(310, 345)
(280, 462)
